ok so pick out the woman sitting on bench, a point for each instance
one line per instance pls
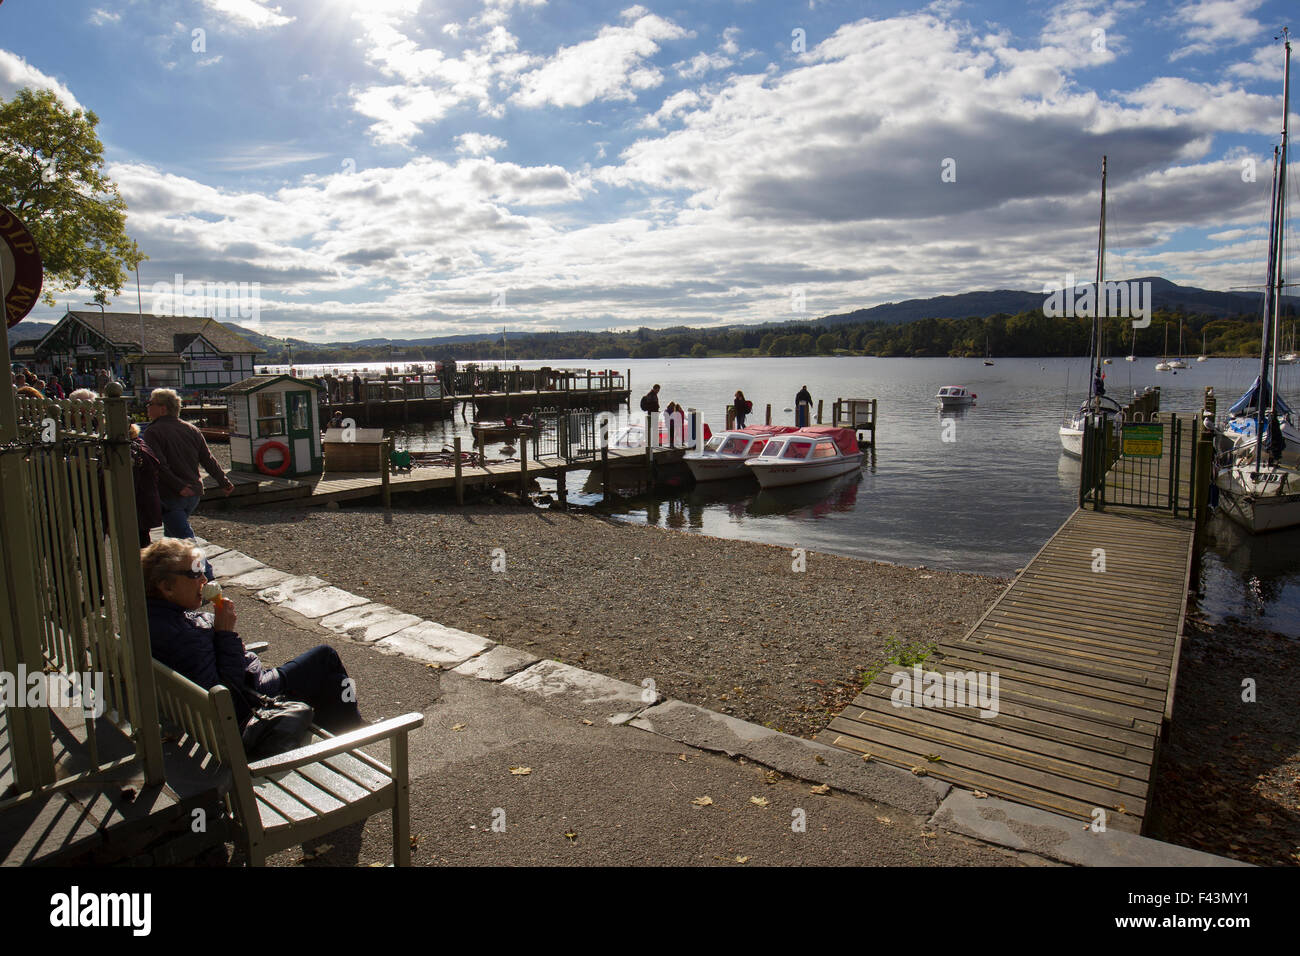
(213, 654)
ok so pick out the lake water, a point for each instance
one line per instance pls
(986, 500)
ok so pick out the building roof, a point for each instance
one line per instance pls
(255, 382)
(161, 332)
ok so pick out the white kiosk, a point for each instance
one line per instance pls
(274, 426)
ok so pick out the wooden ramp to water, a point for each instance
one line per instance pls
(1085, 662)
(1086, 658)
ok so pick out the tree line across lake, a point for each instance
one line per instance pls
(1006, 336)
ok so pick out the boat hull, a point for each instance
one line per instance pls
(1257, 513)
(780, 474)
(1072, 441)
(717, 468)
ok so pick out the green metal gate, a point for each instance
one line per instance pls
(1136, 464)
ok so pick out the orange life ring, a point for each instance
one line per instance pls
(261, 453)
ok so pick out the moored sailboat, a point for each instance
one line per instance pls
(1256, 488)
(1071, 433)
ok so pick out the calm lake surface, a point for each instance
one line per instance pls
(984, 501)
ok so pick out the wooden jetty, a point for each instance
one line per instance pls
(1085, 643)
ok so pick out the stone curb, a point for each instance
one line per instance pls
(583, 691)
(1029, 829)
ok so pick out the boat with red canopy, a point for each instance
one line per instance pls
(725, 454)
(809, 454)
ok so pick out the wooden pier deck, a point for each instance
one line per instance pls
(1086, 661)
(257, 489)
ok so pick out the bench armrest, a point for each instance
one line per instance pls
(336, 745)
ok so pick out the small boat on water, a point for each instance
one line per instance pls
(954, 396)
(809, 454)
(725, 454)
(494, 431)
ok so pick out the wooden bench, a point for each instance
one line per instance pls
(300, 795)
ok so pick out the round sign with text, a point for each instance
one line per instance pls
(20, 268)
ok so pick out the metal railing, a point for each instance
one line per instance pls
(75, 602)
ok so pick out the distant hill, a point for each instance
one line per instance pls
(1166, 295)
(29, 332)
(267, 342)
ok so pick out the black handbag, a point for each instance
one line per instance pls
(277, 725)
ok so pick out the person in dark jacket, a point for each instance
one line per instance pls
(180, 448)
(740, 405)
(144, 472)
(356, 386)
(803, 408)
(212, 653)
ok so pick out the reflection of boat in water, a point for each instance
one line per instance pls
(817, 498)
(508, 430)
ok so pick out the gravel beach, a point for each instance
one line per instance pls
(727, 625)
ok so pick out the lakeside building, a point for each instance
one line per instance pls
(185, 352)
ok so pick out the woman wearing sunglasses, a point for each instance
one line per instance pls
(211, 654)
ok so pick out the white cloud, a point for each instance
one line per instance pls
(16, 73)
(1214, 24)
(610, 67)
(98, 17)
(478, 144)
(248, 13)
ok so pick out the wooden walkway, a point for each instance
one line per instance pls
(1086, 661)
(257, 489)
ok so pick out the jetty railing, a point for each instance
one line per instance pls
(72, 604)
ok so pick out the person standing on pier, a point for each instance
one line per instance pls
(803, 408)
(356, 386)
(741, 406)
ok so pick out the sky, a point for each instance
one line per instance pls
(334, 170)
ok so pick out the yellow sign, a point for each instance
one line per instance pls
(1143, 441)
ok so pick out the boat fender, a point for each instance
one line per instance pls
(708, 432)
(259, 459)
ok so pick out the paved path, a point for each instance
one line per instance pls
(616, 775)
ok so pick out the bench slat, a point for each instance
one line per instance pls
(357, 772)
(334, 783)
(269, 793)
(307, 793)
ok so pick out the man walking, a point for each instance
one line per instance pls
(180, 449)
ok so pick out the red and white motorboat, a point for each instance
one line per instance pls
(725, 454)
(809, 454)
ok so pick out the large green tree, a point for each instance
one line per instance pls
(51, 176)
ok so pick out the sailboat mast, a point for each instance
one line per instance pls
(1279, 266)
(1094, 344)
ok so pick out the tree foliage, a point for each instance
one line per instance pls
(51, 176)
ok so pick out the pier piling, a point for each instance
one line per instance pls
(460, 475)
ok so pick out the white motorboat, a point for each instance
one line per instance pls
(954, 396)
(725, 454)
(1256, 489)
(809, 454)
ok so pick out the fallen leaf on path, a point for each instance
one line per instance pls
(920, 771)
(571, 835)
(457, 726)
(884, 820)
(822, 788)
(521, 771)
(586, 721)
(760, 801)
(703, 801)
(742, 859)
(980, 795)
